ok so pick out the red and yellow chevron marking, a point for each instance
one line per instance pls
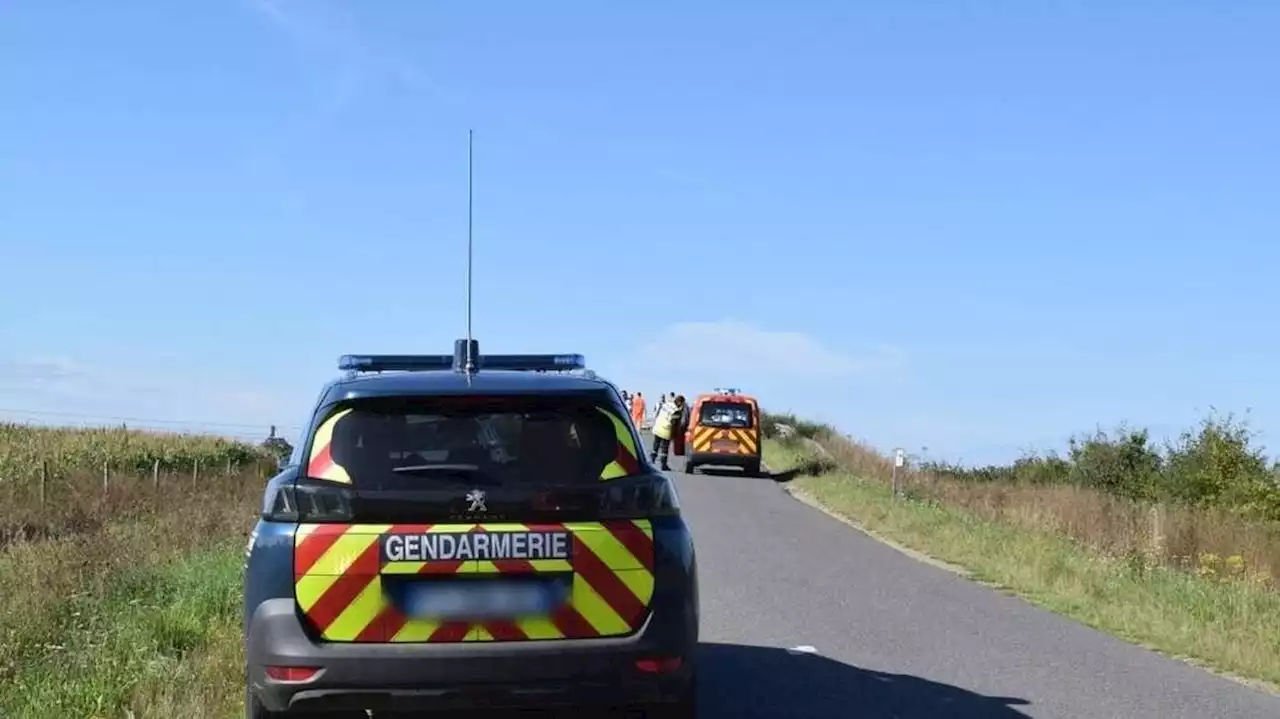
(338, 583)
(745, 439)
(626, 460)
(322, 466)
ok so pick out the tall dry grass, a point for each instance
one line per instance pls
(1213, 543)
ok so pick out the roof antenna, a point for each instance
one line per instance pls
(471, 359)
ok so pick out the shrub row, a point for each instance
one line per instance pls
(1215, 465)
(1205, 503)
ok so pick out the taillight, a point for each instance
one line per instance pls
(664, 665)
(309, 503)
(651, 495)
(292, 675)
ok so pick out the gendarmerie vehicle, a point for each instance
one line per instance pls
(465, 531)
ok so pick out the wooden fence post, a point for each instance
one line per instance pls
(155, 474)
(44, 479)
(195, 471)
(1157, 531)
(228, 466)
(105, 476)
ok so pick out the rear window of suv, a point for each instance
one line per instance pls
(725, 414)
(409, 443)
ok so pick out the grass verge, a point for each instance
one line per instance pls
(1231, 627)
(136, 617)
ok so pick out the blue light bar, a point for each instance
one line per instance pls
(388, 363)
(426, 363)
(533, 363)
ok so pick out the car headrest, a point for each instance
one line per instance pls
(367, 439)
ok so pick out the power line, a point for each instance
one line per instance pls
(146, 420)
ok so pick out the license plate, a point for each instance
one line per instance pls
(724, 445)
(478, 600)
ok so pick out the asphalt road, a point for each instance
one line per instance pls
(898, 638)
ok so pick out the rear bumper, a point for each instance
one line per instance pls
(465, 675)
(723, 459)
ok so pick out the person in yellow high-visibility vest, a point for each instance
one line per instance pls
(669, 421)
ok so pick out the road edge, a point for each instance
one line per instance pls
(809, 500)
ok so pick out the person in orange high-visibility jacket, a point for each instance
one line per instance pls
(637, 409)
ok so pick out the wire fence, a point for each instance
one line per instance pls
(251, 432)
(52, 482)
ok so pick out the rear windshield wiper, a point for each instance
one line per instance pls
(438, 467)
(469, 472)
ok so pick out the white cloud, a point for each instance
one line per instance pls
(38, 370)
(736, 352)
(333, 37)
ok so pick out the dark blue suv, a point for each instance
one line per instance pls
(465, 531)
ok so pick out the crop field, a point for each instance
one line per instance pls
(24, 448)
(55, 480)
(122, 599)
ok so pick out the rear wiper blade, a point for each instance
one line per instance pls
(467, 472)
(439, 467)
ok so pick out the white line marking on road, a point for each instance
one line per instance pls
(802, 649)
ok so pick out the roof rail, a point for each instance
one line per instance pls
(355, 364)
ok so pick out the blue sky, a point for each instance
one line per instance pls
(977, 227)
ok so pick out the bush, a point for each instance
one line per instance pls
(1028, 469)
(1217, 466)
(770, 423)
(1126, 465)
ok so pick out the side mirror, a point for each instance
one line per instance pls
(282, 463)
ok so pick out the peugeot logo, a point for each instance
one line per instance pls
(476, 499)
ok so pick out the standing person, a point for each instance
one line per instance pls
(637, 409)
(681, 426)
(669, 420)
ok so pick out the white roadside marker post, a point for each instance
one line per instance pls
(899, 460)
